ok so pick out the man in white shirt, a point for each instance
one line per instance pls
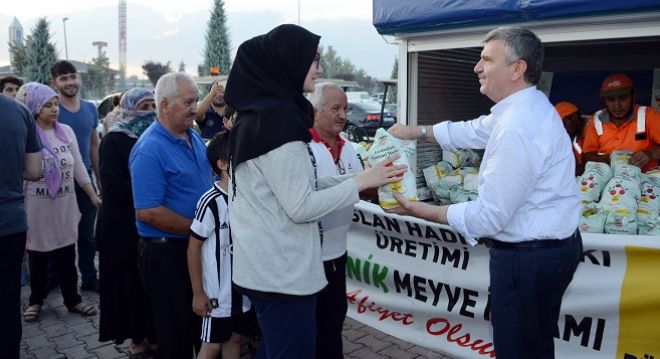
(528, 208)
(334, 156)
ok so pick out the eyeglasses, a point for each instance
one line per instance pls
(317, 60)
(340, 167)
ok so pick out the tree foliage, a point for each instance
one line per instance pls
(40, 53)
(182, 66)
(100, 78)
(392, 96)
(218, 46)
(334, 66)
(18, 58)
(154, 70)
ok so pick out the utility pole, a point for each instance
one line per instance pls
(66, 48)
(100, 45)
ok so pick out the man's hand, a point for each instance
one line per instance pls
(405, 132)
(201, 304)
(640, 158)
(422, 210)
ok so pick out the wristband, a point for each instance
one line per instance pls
(423, 132)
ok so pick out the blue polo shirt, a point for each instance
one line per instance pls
(212, 124)
(165, 171)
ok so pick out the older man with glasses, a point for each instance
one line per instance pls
(334, 156)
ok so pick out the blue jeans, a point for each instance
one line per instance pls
(288, 328)
(86, 237)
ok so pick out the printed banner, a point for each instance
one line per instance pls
(422, 283)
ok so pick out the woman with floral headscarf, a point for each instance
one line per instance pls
(125, 313)
(51, 207)
(276, 197)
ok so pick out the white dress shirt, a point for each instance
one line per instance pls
(527, 187)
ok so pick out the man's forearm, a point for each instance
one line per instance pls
(165, 220)
(202, 107)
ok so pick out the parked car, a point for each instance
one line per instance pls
(366, 115)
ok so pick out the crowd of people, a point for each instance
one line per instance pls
(201, 243)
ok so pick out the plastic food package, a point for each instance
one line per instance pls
(433, 174)
(619, 200)
(460, 158)
(591, 182)
(360, 151)
(471, 182)
(385, 145)
(592, 219)
(648, 206)
(620, 158)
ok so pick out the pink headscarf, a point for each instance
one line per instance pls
(36, 95)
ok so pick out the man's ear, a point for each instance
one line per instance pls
(163, 108)
(519, 69)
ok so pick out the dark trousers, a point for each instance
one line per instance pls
(64, 262)
(526, 289)
(331, 308)
(11, 255)
(86, 238)
(288, 328)
(164, 273)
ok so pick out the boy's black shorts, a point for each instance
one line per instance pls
(218, 330)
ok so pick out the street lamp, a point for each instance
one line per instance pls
(66, 49)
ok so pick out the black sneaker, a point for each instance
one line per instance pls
(92, 286)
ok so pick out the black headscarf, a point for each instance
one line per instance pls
(265, 86)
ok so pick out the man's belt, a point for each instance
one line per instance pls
(156, 240)
(538, 243)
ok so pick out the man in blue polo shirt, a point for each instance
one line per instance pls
(169, 172)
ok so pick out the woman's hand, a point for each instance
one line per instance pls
(382, 173)
(96, 201)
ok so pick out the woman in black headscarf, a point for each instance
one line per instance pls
(277, 198)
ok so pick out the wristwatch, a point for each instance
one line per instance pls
(423, 133)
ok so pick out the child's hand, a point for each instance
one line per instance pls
(201, 304)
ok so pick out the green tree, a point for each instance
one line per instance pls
(218, 47)
(101, 78)
(18, 58)
(154, 70)
(182, 66)
(40, 54)
(392, 91)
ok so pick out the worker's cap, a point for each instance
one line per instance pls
(617, 84)
(565, 109)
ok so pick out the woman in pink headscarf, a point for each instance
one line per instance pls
(50, 203)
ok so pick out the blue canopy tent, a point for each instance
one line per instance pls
(398, 17)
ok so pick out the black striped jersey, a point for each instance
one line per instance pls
(211, 225)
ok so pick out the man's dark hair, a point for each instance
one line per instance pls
(218, 149)
(10, 80)
(229, 112)
(62, 67)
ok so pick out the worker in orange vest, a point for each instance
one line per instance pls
(622, 125)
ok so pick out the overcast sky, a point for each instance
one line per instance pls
(167, 30)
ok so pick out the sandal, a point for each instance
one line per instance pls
(31, 313)
(86, 310)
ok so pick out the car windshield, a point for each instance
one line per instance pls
(368, 106)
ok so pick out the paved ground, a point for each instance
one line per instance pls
(59, 334)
